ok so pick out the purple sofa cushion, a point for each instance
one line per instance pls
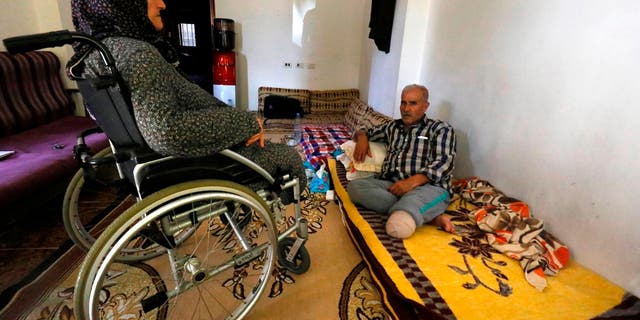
(36, 164)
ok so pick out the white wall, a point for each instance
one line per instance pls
(544, 97)
(264, 43)
(382, 81)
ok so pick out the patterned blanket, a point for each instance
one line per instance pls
(510, 229)
(319, 142)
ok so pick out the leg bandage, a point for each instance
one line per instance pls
(400, 224)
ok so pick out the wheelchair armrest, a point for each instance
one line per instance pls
(81, 151)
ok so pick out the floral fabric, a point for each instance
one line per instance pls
(511, 229)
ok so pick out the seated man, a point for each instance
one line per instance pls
(414, 186)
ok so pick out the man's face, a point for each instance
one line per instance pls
(412, 106)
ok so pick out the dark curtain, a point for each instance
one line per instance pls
(381, 23)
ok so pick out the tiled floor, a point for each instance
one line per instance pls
(26, 242)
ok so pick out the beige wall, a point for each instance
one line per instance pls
(18, 17)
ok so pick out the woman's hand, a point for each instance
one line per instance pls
(258, 137)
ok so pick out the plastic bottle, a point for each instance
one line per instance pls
(297, 130)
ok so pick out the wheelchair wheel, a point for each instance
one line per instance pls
(217, 271)
(301, 261)
(88, 200)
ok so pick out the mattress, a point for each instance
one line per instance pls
(438, 275)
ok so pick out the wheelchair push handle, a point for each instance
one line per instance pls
(31, 42)
(37, 41)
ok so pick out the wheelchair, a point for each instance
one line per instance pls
(197, 241)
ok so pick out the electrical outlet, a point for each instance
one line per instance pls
(300, 65)
(287, 65)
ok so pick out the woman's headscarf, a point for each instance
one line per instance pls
(116, 18)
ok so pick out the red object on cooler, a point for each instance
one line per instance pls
(224, 67)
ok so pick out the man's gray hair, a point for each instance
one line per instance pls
(425, 91)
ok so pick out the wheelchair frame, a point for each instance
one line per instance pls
(174, 203)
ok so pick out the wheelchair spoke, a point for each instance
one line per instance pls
(217, 266)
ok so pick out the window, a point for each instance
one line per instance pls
(187, 34)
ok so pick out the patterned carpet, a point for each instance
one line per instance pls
(337, 285)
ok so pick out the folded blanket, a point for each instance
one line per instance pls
(510, 229)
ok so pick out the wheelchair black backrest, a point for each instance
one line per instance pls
(112, 111)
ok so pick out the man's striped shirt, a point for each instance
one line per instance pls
(428, 147)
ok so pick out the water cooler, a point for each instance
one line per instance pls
(224, 61)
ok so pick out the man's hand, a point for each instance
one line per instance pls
(401, 187)
(362, 149)
(258, 137)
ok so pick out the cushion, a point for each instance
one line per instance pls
(372, 118)
(37, 164)
(370, 164)
(31, 91)
(355, 114)
(332, 100)
(324, 119)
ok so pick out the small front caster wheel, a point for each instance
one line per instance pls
(301, 261)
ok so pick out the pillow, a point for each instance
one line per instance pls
(355, 113)
(372, 118)
(337, 100)
(370, 164)
(351, 172)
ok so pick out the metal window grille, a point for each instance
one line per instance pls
(187, 34)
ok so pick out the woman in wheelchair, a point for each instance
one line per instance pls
(212, 243)
(175, 116)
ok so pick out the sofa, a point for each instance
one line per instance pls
(330, 118)
(318, 106)
(38, 124)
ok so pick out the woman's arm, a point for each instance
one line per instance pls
(175, 116)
